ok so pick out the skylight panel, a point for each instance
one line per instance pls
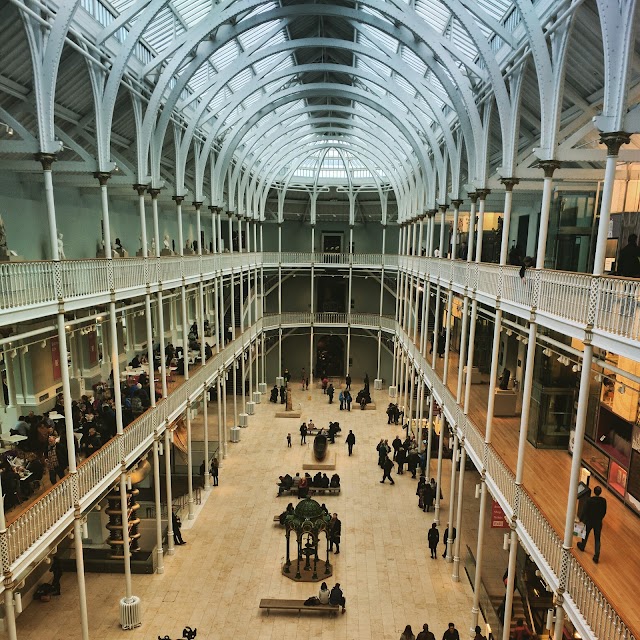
(463, 42)
(163, 29)
(251, 37)
(192, 11)
(377, 36)
(240, 80)
(434, 13)
(495, 8)
(413, 61)
(225, 55)
(403, 84)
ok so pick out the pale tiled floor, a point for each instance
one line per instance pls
(234, 551)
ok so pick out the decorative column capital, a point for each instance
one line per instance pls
(45, 159)
(482, 194)
(614, 140)
(473, 196)
(432, 212)
(102, 177)
(197, 204)
(140, 188)
(509, 183)
(154, 193)
(457, 203)
(212, 208)
(549, 167)
(443, 208)
(178, 199)
(230, 214)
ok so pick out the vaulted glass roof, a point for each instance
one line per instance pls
(384, 74)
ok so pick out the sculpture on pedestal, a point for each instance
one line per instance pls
(61, 254)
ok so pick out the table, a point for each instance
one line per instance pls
(12, 439)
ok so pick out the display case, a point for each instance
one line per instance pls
(595, 460)
(617, 478)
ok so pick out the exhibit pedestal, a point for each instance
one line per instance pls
(328, 464)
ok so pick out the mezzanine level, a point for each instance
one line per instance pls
(566, 302)
(49, 517)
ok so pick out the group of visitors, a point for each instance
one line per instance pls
(302, 483)
(450, 634)
(335, 596)
(394, 413)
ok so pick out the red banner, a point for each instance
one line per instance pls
(55, 359)
(93, 348)
(498, 519)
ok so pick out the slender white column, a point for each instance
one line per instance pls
(549, 167)
(10, 614)
(456, 221)
(508, 183)
(443, 219)
(613, 141)
(158, 503)
(456, 548)
(163, 357)
(234, 372)
(429, 435)
(221, 430)
(189, 462)
(167, 470)
(463, 349)
(470, 350)
(436, 328)
(224, 411)
(482, 195)
(452, 494)
(443, 429)
(126, 541)
(475, 610)
(185, 329)
(447, 339)
(473, 197)
(205, 418)
(179, 200)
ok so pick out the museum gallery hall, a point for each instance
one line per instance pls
(274, 274)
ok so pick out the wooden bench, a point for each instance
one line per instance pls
(311, 490)
(296, 605)
(325, 432)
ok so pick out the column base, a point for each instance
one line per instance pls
(279, 381)
(262, 387)
(251, 408)
(257, 397)
(244, 420)
(377, 384)
(160, 560)
(393, 391)
(130, 613)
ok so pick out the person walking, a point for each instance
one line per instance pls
(303, 433)
(351, 440)
(387, 466)
(451, 633)
(289, 440)
(214, 471)
(335, 531)
(407, 634)
(330, 392)
(341, 398)
(347, 382)
(176, 525)
(425, 634)
(433, 538)
(592, 515)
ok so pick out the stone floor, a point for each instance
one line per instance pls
(234, 552)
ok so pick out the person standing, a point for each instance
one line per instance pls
(335, 531)
(387, 466)
(289, 440)
(521, 631)
(396, 444)
(451, 633)
(56, 470)
(433, 538)
(407, 634)
(445, 539)
(479, 635)
(629, 259)
(347, 399)
(330, 392)
(351, 440)
(214, 471)
(341, 398)
(592, 515)
(303, 433)
(176, 524)
(347, 382)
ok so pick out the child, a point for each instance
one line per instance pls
(288, 440)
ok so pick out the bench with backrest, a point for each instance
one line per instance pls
(296, 605)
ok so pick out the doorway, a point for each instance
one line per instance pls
(331, 242)
(329, 356)
(331, 295)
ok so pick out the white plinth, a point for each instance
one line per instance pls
(377, 384)
(130, 613)
(251, 408)
(280, 381)
(244, 419)
(393, 391)
(235, 434)
(262, 387)
(257, 397)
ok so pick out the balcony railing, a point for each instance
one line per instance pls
(607, 304)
